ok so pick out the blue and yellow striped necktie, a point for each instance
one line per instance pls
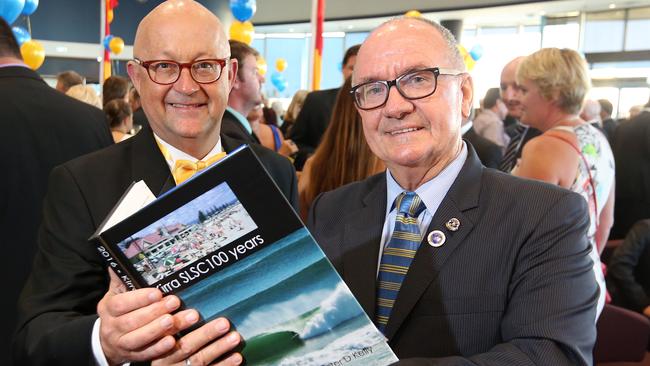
(398, 254)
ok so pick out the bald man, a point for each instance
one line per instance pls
(519, 133)
(457, 264)
(72, 311)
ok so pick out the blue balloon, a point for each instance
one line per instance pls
(476, 52)
(30, 7)
(243, 10)
(21, 34)
(107, 42)
(10, 9)
(278, 81)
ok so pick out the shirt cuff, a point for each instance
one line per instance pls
(98, 352)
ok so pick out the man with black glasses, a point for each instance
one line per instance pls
(71, 311)
(456, 264)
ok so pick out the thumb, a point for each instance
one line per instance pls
(116, 286)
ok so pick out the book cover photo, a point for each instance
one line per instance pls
(227, 243)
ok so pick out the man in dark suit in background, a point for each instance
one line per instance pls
(475, 266)
(71, 312)
(42, 128)
(245, 95)
(519, 133)
(632, 154)
(487, 151)
(609, 124)
(314, 117)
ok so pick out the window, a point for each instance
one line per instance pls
(638, 28)
(604, 31)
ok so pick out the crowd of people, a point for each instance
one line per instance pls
(513, 203)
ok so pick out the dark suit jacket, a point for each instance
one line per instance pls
(632, 154)
(311, 123)
(139, 118)
(513, 286)
(530, 134)
(231, 127)
(488, 152)
(42, 128)
(58, 305)
(609, 126)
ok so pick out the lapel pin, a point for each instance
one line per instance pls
(436, 238)
(453, 224)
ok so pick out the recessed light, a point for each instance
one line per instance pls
(612, 6)
(351, 26)
(291, 29)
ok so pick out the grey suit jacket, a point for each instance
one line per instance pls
(513, 286)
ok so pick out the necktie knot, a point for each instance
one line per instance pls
(184, 169)
(409, 204)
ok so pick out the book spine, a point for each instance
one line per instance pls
(107, 253)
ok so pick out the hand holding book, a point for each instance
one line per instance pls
(139, 325)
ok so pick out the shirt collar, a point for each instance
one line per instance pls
(18, 64)
(242, 119)
(466, 127)
(174, 154)
(432, 192)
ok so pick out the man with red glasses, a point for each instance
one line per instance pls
(456, 263)
(71, 311)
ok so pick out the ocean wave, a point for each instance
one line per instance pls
(336, 309)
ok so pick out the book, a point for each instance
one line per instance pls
(228, 243)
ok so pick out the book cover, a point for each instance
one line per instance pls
(228, 243)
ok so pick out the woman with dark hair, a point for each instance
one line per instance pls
(120, 119)
(343, 155)
(263, 121)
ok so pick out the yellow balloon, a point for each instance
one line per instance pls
(242, 32)
(33, 54)
(109, 16)
(262, 67)
(413, 14)
(116, 45)
(280, 64)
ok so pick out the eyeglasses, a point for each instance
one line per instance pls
(411, 85)
(165, 72)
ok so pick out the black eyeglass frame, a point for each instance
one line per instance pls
(437, 71)
(223, 62)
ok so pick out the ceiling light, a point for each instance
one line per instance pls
(612, 6)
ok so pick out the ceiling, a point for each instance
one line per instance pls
(282, 16)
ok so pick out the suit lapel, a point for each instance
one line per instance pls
(361, 237)
(149, 164)
(463, 196)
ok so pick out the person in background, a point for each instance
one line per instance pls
(488, 152)
(269, 134)
(609, 124)
(292, 112)
(120, 119)
(139, 117)
(519, 133)
(632, 153)
(67, 79)
(86, 94)
(590, 113)
(43, 128)
(628, 272)
(489, 121)
(342, 157)
(115, 87)
(634, 111)
(316, 113)
(245, 95)
(571, 153)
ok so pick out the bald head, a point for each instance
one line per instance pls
(175, 18)
(590, 111)
(439, 38)
(509, 88)
(184, 112)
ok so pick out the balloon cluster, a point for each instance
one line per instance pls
(470, 57)
(32, 51)
(113, 44)
(277, 78)
(242, 29)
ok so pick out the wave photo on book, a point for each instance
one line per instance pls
(228, 243)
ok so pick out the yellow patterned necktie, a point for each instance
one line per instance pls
(185, 169)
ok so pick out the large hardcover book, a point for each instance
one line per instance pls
(228, 243)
